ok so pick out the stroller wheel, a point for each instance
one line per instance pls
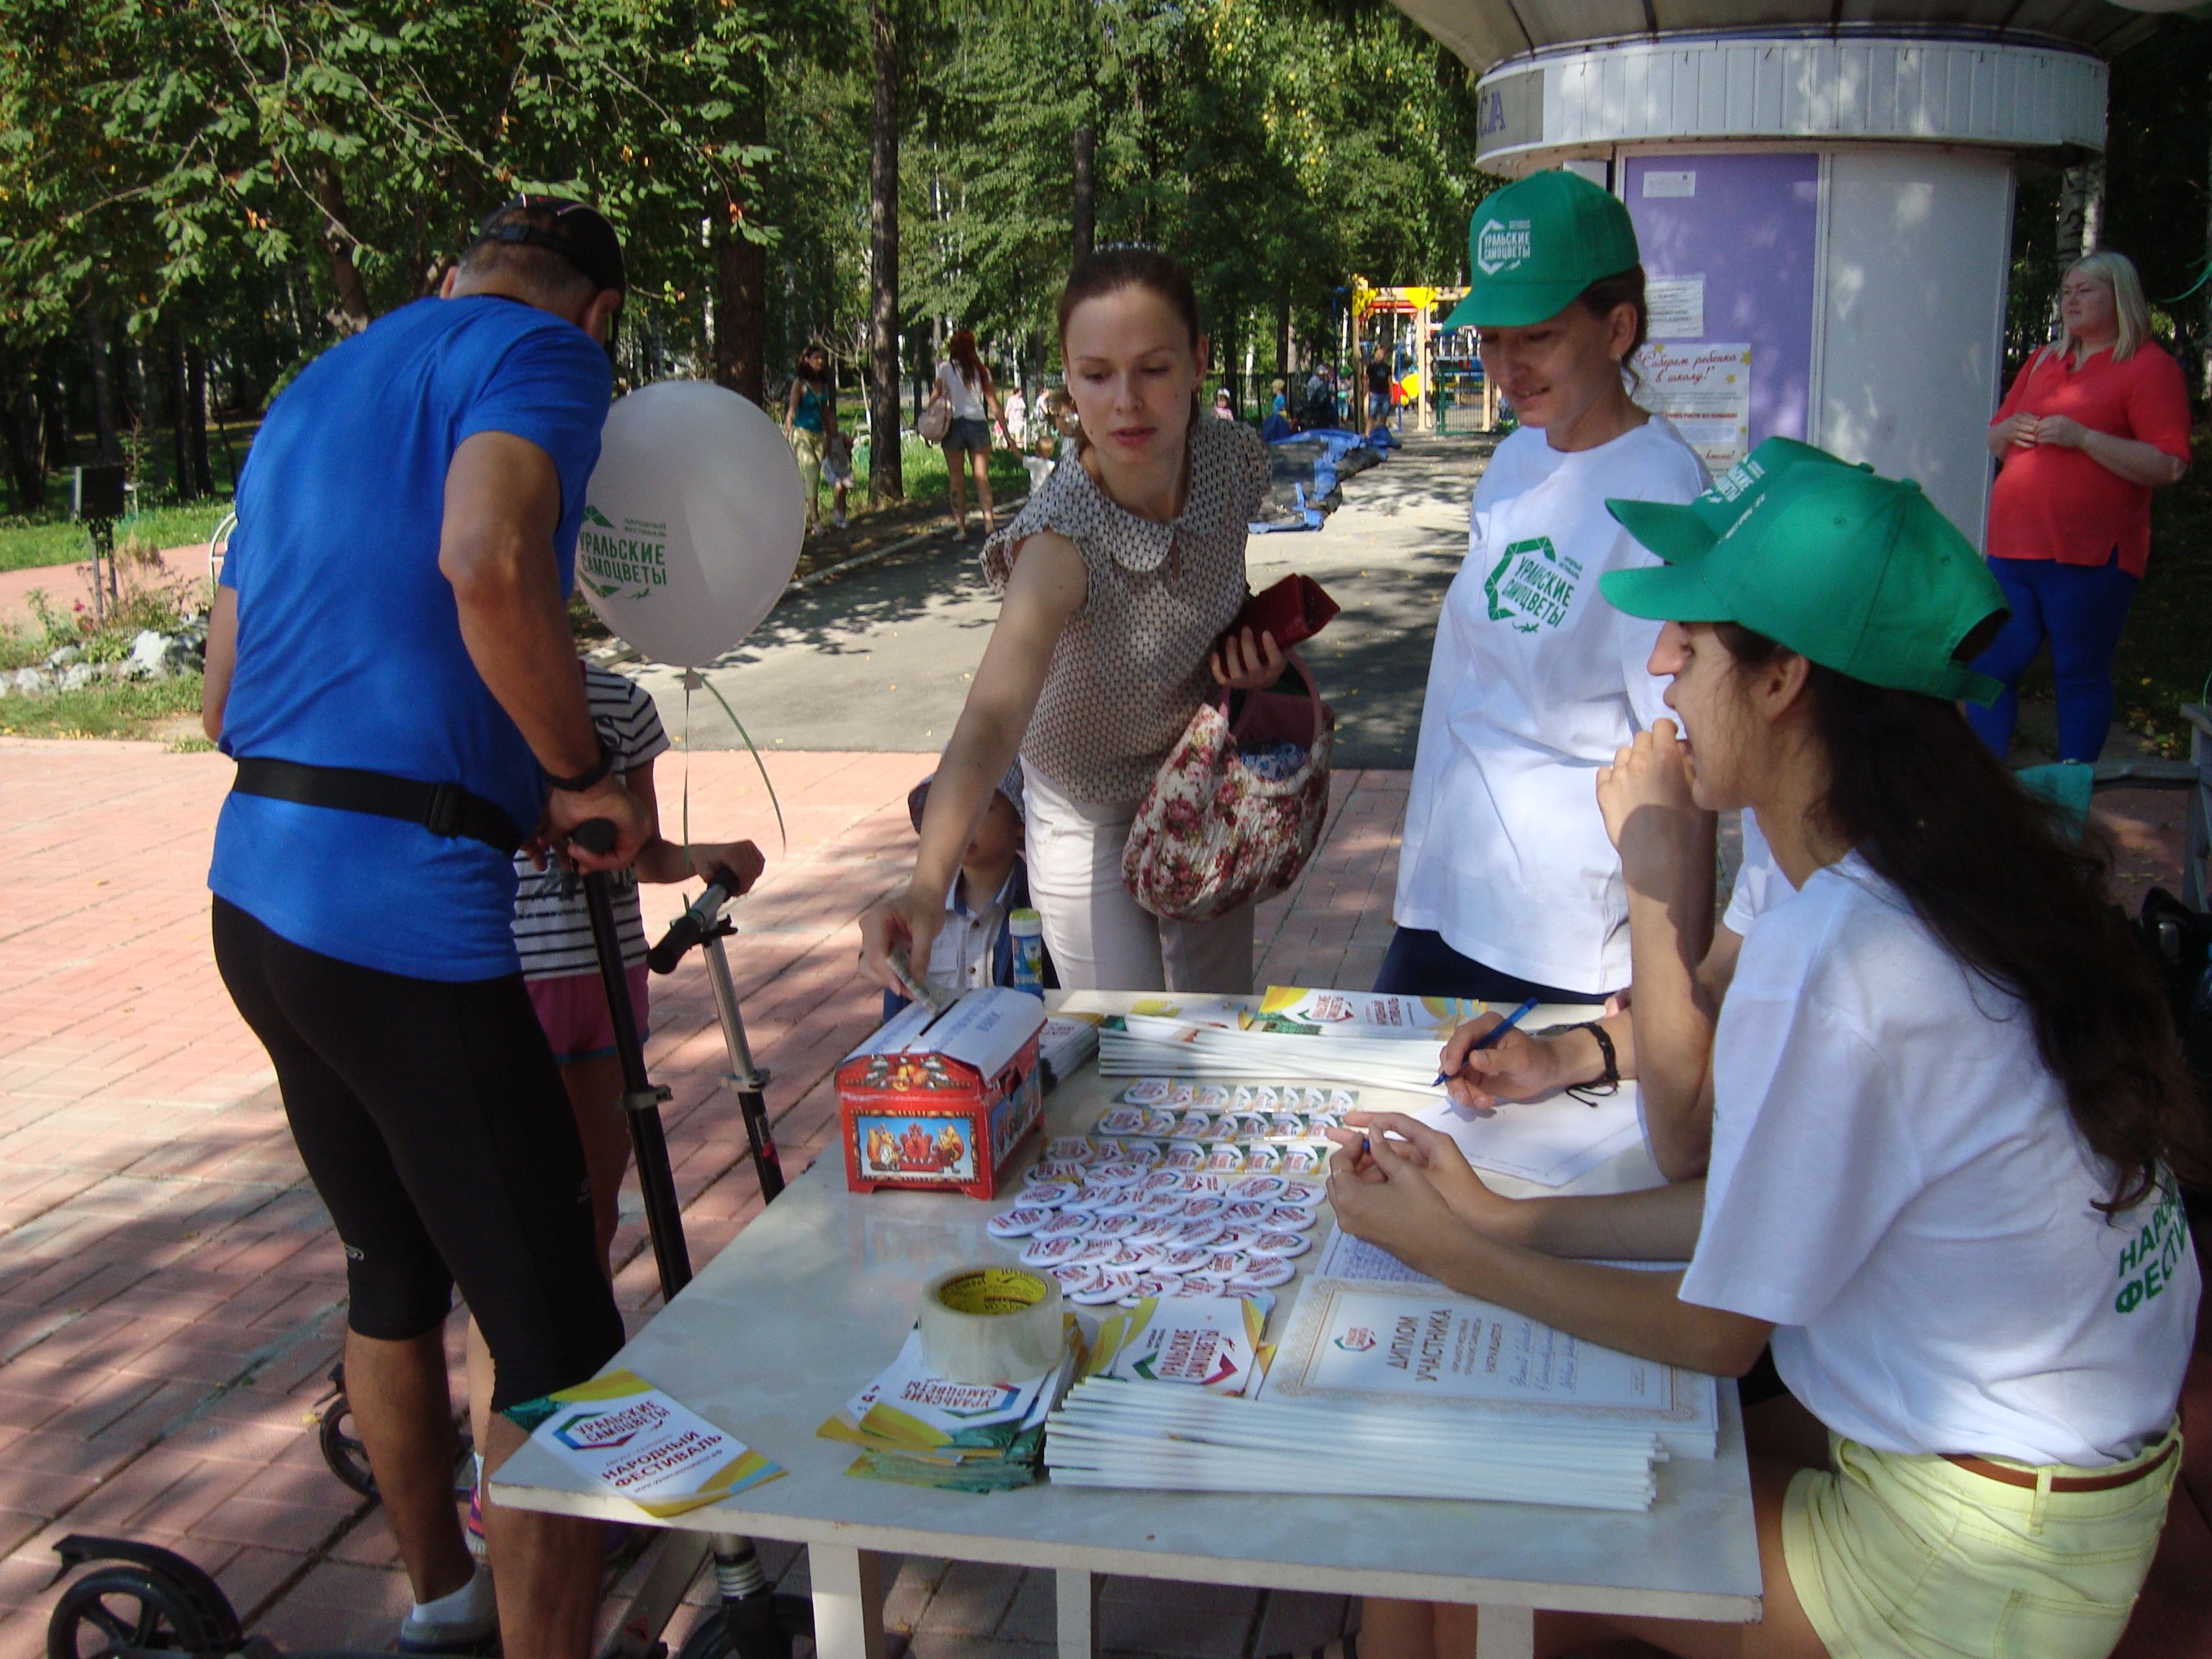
(127, 1611)
(342, 1447)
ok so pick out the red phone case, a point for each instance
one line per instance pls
(1294, 610)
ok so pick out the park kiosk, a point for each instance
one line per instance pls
(1823, 193)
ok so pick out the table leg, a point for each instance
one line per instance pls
(1506, 1633)
(848, 1601)
(1077, 1593)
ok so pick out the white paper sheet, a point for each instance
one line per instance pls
(1550, 1142)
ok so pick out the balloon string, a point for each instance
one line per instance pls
(687, 769)
(692, 680)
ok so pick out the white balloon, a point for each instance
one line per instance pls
(692, 521)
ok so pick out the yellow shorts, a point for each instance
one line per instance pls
(1891, 1554)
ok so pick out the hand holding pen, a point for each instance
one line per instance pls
(1488, 1039)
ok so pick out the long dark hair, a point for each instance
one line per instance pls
(2008, 891)
(808, 375)
(1131, 265)
(965, 358)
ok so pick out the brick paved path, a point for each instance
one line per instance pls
(172, 1298)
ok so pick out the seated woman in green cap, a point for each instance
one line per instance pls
(1950, 1116)
(1507, 885)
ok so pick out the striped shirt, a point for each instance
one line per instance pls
(552, 929)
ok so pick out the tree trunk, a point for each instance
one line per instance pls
(110, 442)
(1084, 215)
(22, 422)
(53, 410)
(886, 476)
(1282, 341)
(196, 413)
(350, 314)
(741, 269)
(178, 389)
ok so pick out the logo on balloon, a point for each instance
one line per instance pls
(634, 558)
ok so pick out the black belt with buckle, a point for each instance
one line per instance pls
(443, 809)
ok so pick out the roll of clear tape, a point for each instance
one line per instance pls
(991, 1325)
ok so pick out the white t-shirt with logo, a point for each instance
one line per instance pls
(1534, 683)
(1760, 883)
(1896, 1183)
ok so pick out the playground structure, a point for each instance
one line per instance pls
(1823, 204)
(1443, 382)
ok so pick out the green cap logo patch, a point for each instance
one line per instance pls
(631, 559)
(1503, 244)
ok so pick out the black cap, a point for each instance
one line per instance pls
(576, 231)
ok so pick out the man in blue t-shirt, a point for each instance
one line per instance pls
(390, 663)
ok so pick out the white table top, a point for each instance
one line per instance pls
(813, 1298)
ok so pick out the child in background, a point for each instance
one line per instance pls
(561, 968)
(975, 947)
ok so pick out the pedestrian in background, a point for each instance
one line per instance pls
(2093, 424)
(964, 380)
(810, 421)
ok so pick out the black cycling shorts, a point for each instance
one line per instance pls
(432, 1120)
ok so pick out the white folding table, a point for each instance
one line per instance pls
(813, 1298)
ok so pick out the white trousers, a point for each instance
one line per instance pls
(1100, 938)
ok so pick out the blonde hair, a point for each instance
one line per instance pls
(2129, 309)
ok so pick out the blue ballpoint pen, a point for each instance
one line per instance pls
(1491, 1035)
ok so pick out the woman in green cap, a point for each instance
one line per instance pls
(1950, 1116)
(1508, 887)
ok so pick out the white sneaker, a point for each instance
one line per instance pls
(464, 1622)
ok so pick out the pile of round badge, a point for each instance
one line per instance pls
(1215, 1129)
(1115, 1222)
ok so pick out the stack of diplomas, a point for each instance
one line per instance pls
(1392, 1386)
(925, 1430)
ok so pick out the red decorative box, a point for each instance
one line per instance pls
(940, 1104)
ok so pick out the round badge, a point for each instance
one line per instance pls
(1051, 1252)
(1147, 1092)
(1264, 1274)
(1116, 1175)
(1248, 1211)
(1260, 1158)
(1203, 1284)
(1199, 1180)
(1095, 1251)
(1115, 1226)
(1288, 1219)
(1137, 1258)
(1201, 1206)
(1281, 1246)
(1150, 1286)
(1159, 1123)
(1237, 1238)
(1111, 1284)
(1227, 1159)
(1154, 1230)
(1183, 1155)
(1155, 1182)
(1308, 1195)
(1198, 1232)
(1105, 1149)
(1165, 1204)
(1227, 1263)
(1091, 1196)
(1259, 1186)
(1065, 1223)
(1122, 1121)
(1072, 1274)
(1191, 1126)
(1048, 1194)
(1068, 1149)
(1057, 1170)
(1301, 1161)
(1186, 1258)
(1017, 1224)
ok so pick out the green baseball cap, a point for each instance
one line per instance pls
(1676, 529)
(1533, 246)
(1856, 572)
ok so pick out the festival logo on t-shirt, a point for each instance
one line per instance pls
(1533, 586)
(2148, 1259)
(610, 560)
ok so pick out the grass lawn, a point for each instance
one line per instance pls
(52, 538)
(165, 709)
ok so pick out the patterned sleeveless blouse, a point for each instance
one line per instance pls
(1130, 667)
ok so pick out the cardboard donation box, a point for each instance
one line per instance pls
(938, 1103)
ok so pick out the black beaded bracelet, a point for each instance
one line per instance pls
(1610, 1083)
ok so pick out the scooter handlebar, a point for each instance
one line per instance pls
(694, 924)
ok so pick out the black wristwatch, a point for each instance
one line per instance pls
(596, 771)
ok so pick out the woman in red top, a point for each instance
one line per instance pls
(2093, 424)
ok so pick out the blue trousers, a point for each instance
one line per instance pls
(1419, 963)
(2081, 610)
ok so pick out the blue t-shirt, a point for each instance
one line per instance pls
(349, 650)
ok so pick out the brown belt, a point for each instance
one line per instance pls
(2013, 1477)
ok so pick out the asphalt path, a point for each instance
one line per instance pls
(881, 659)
